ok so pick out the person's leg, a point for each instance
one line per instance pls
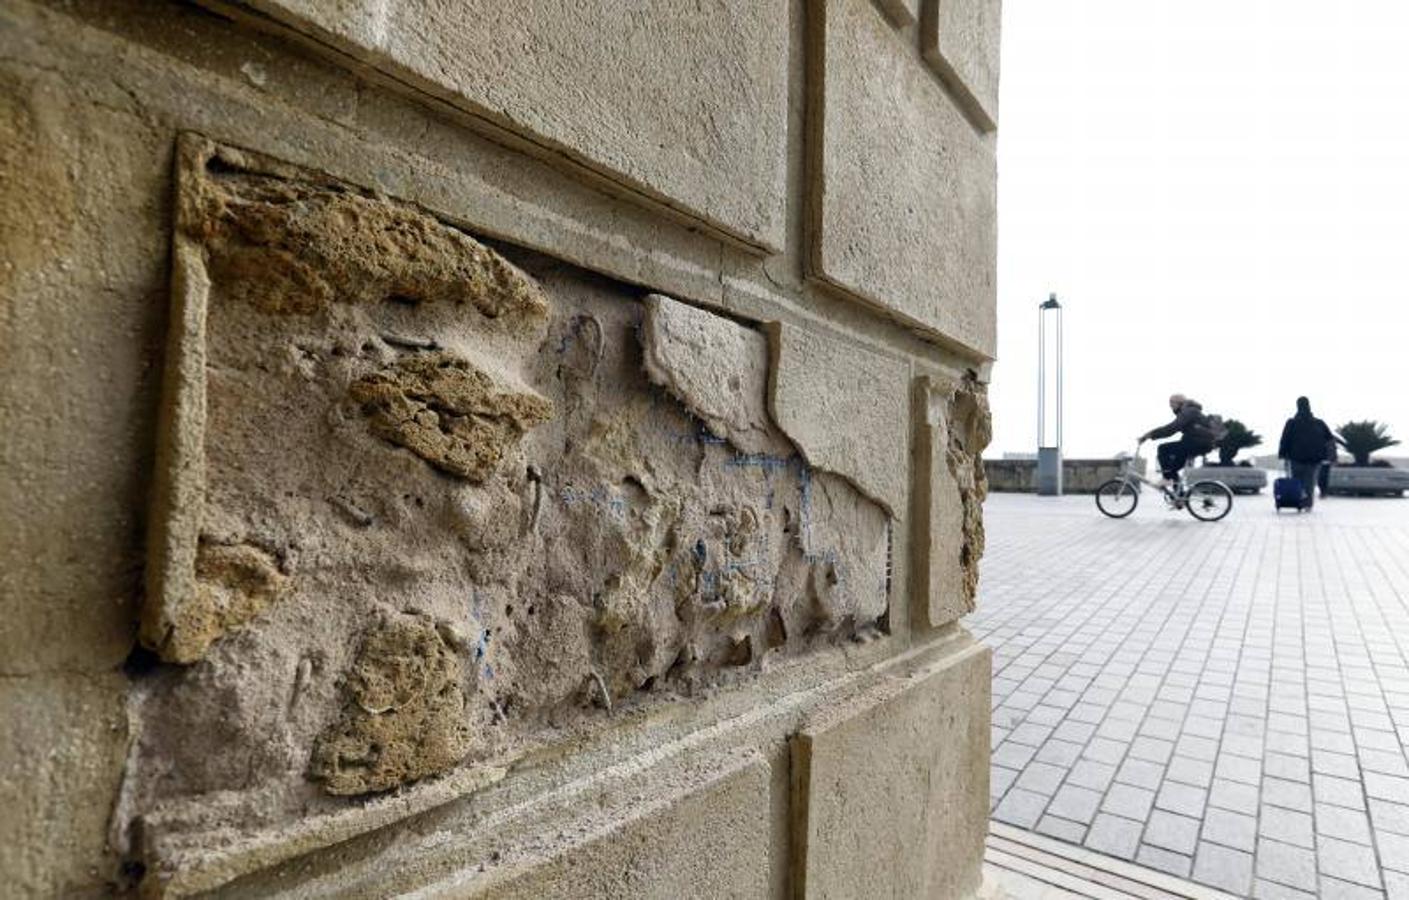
(1306, 474)
(1171, 458)
(1323, 478)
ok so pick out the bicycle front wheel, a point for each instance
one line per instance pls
(1117, 498)
(1209, 501)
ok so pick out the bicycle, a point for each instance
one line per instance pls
(1207, 501)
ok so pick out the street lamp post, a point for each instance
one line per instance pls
(1049, 386)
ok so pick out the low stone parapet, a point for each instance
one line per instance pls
(1368, 480)
(1079, 476)
(1240, 479)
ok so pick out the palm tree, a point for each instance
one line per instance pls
(1239, 437)
(1360, 439)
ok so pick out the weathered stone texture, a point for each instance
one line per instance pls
(689, 107)
(951, 489)
(903, 186)
(902, 13)
(405, 712)
(710, 839)
(960, 38)
(890, 791)
(62, 744)
(433, 527)
(846, 409)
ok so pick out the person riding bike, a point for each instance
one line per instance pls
(1196, 438)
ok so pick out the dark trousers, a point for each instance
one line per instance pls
(1305, 472)
(1173, 455)
(1323, 478)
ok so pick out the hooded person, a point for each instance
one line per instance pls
(1195, 436)
(1306, 443)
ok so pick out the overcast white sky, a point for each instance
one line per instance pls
(1218, 191)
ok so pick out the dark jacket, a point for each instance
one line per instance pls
(1190, 422)
(1305, 439)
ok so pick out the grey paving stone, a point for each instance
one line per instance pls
(1287, 865)
(1239, 768)
(1088, 773)
(1291, 768)
(1347, 861)
(1013, 756)
(1231, 829)
(1270, 890)
(1021, 808)
(1346, 824)
(1172, 831)
(1341, 765)
(1104, 750)
(1165, 861)
(1388, 816)
(1151, 750)
(1203, 726)
(1223, 867)
(1384, 762)
(1076, 732)
(1059, 753)
(1338, 791)
(1041, 778)
(1281, 742)
(1335, 889)
(1393, 850)
(1242, 745)
(1184, 799)
(1114, 835)
(1195, 747)
(1140, 773)
(1163, 729)
(1287, 826)
(1129, 801)
(1186, 770)
(1387, 787)
(1076, 803)
(1121, 730)
(1287, 794)
(1062, 829)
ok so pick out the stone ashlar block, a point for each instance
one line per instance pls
(890, 792)
(689, 107)
(701, 840)
(902, 13)
(845, 408)
(960, 38)
(903, 195)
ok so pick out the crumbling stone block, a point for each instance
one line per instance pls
(448, 412)
(405, 714)
(423, 507)
(951, 491)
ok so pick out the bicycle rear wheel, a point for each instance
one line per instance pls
(1209, 501)
(1117, 498)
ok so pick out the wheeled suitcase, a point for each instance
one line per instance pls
(1288, 492)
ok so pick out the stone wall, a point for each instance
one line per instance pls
(494, 450)
(1079, 476)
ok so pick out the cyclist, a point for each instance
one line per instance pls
(1196, 438)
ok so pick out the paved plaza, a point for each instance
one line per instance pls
(1225, 702)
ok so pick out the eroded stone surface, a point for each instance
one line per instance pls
(903, 184)
(957, 430)
(449, 412)
(481, 521)
(960, 38)
(405, 714)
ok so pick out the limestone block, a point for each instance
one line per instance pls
(903, 186)
(422, 511)
(951, 487)
(960, 38)
(707, 840)
(845, 408)
(688, 107)
(902, 13)
(717, 368)
(63, 744)
(890, 792)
